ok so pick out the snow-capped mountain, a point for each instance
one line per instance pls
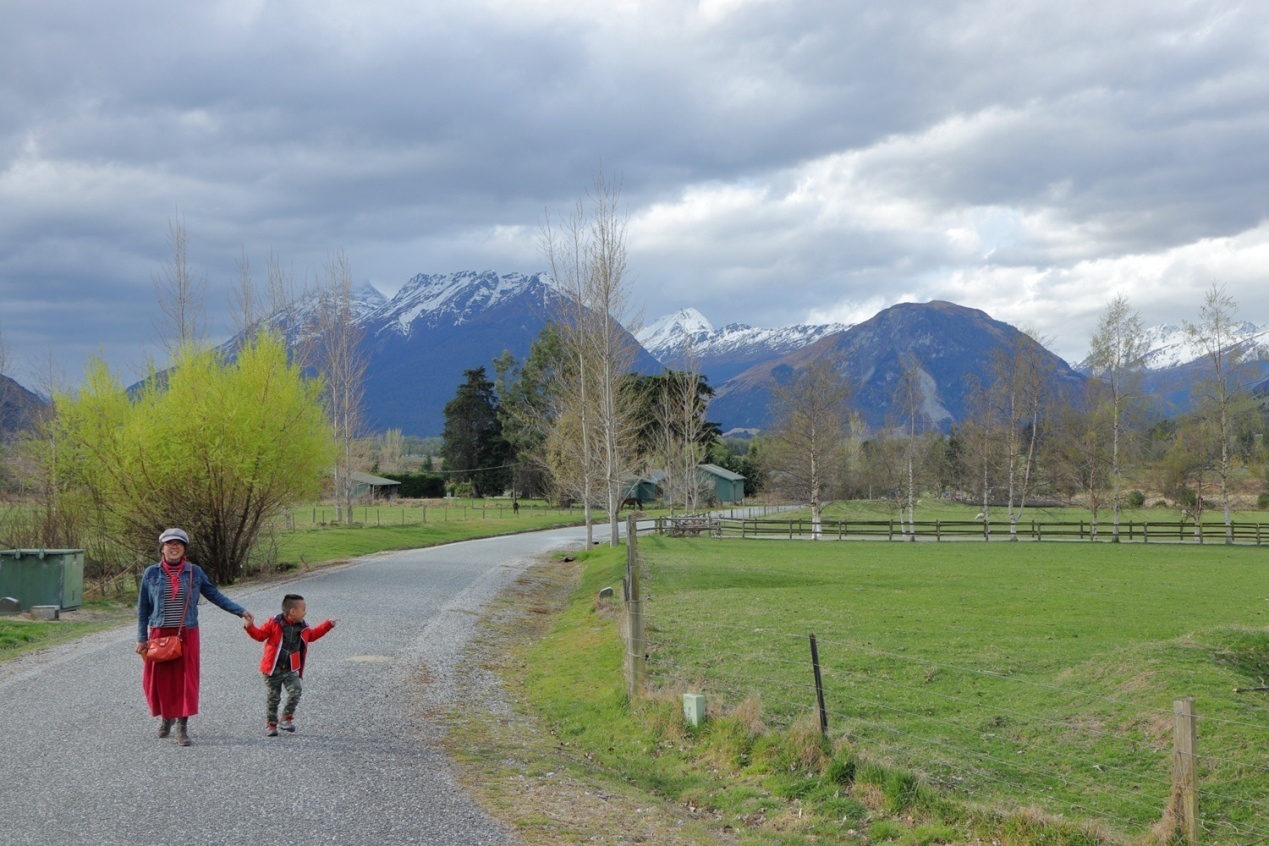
(945, 341)
(723, 353)
(1170, 347)
(432, 300)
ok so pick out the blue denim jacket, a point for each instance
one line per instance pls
(155, 588)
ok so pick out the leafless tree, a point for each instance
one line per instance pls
(1117, 356)
(681, 428)
(1020, 375)
(336, 354)
(244, 304)
(390, 451)
(1077, 450)
(253, 306)
(179, 293)
(588, 260)
(1221, 394)
(808, 435)
(982, 441)
(909, 406)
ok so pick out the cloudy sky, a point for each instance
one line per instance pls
(782, 162)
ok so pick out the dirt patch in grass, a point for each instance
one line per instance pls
(507, 757)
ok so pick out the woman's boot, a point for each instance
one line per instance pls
(182, 733)
(165, 727)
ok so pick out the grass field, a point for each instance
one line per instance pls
(1016, 693)
(411, 512)
(1024, 675)
(333, 542)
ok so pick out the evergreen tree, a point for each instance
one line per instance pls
(473, 447)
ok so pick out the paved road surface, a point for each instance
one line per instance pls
(79, 762)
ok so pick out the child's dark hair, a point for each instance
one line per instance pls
(289, 601)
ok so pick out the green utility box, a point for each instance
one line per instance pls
(43, 577)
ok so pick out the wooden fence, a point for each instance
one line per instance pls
(939, 530)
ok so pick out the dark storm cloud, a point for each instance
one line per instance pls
(781, 161)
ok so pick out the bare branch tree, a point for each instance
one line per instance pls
(337, 355)
(1221, 393)
(808, 434)
(1117, 355)
(588, 261)
(179, 294)
(1020, 376)
(909, 402)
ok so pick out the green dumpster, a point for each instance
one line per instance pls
(43, 577)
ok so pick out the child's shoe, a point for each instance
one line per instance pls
(271, 730)
(288, 723)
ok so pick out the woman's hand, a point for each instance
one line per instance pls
(247, 619)
(140, 650)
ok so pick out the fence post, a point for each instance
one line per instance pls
(819, 686)
(1184, 772)
(636, 652)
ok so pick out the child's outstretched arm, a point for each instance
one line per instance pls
(314, 632)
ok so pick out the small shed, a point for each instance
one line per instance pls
(644, 490)
(373, 488)
(728, 487)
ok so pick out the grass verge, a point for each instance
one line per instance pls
(19, 636)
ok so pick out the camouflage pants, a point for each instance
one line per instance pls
(274, 684)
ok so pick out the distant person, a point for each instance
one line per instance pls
(167, 605)
(286, 638)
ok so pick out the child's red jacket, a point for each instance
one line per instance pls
(271, 634)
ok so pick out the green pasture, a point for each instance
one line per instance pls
(1021, 693)
(334, 542)
(425, 512)
(1021, 674)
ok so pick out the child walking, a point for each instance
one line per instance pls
(286, 638)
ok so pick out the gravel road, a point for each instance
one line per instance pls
(80, 763)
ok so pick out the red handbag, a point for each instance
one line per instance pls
(168, 647)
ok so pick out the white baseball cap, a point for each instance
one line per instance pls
(173, 535)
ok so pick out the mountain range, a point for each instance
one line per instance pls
(418, 342)
(723, 353)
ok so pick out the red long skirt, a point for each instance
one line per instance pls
(171, 687)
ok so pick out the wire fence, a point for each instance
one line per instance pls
(418, 512)
(994, 737)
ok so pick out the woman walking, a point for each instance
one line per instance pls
(167, 606)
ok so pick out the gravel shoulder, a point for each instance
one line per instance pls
(506, 756)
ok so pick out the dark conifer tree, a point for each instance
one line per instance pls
(473, 447)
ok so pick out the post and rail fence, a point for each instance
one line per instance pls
(1248, 533)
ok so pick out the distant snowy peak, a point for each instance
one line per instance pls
(686, 331)
(1169, 346)
(366, 299)
(454, 299)
(669, 334)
